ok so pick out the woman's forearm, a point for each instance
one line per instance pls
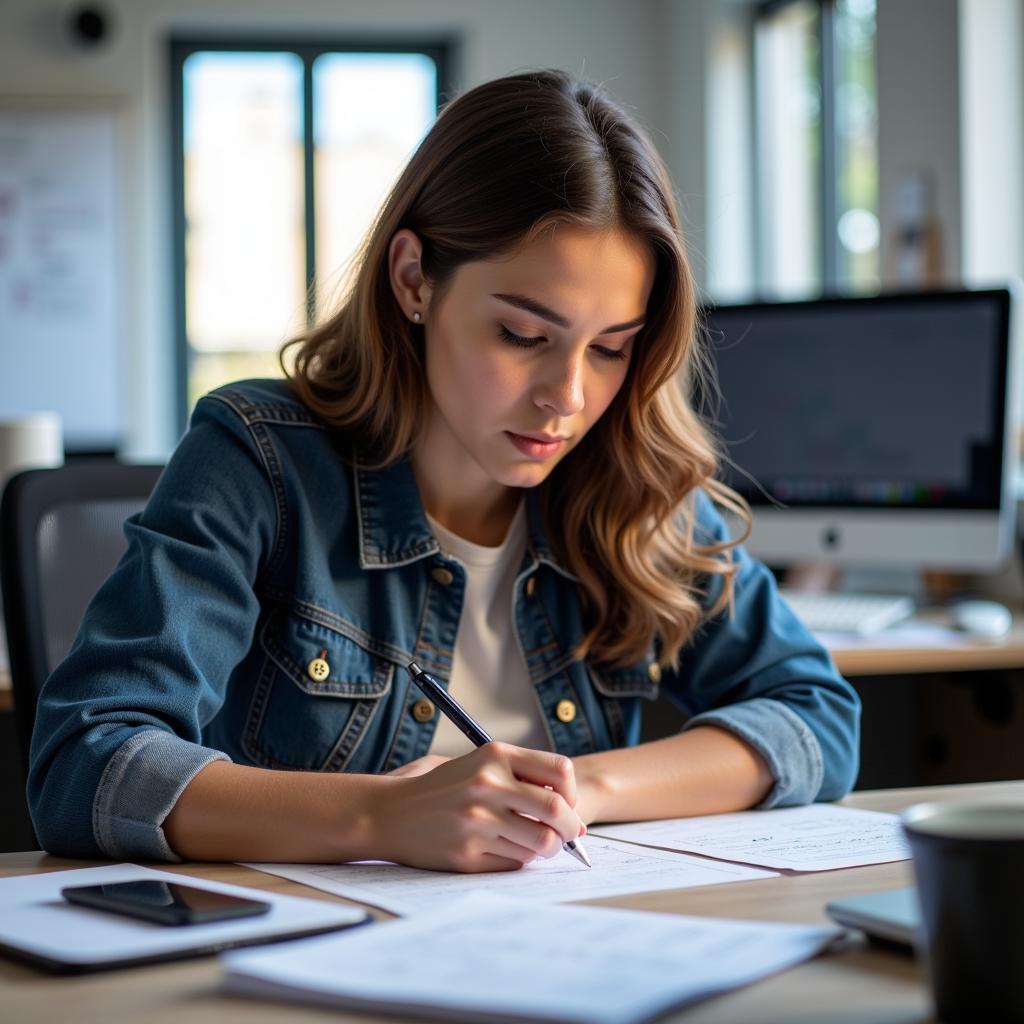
(471, 813)
(236, 812)
(706, 770)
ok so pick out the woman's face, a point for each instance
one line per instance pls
(524, 355)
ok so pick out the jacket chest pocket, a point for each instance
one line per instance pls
(316, 697)
(620, 691)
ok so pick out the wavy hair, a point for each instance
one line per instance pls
(502, 163)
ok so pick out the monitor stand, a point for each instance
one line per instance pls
(899, 581)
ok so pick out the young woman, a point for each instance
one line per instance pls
(486, 461)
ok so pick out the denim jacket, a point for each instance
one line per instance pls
(263, 549)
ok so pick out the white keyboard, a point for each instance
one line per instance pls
(861, 614)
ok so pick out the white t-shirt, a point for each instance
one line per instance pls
(489, 677)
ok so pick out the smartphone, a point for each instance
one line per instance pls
(164, 902)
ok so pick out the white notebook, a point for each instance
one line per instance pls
(495, 958)
(37, 924)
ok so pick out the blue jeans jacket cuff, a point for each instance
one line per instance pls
(782, 738)
(141, 783)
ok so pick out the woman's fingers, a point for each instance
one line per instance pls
(505, 849)
(551, 812)
(541, 768)
(493, 809)
(541, 839)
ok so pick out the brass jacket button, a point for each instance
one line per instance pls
(423, 710)
(565, 711)
(442, 576)
(531, 586)
(318, 670)
(654, 672)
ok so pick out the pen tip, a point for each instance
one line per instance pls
(575, 847)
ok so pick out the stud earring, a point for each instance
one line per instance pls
(416, 317)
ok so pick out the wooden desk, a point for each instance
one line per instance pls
(880, 658)
(861, 984)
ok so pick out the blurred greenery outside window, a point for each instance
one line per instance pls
(285, 155)
(817, 148)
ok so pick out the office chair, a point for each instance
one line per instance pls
(60, 537)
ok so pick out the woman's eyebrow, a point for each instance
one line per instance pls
(532, 306)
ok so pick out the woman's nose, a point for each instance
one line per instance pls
(562, 390)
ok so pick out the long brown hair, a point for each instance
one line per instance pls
(503, 162)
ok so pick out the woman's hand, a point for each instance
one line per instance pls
(490, 810)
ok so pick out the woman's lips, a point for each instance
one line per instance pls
(533, 448)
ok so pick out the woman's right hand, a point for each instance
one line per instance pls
(474, 813)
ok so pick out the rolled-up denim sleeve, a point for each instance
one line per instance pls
(119, 724)
(759, 673)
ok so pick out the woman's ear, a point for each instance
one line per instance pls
(408, 282)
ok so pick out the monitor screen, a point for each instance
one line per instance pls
(851, 424)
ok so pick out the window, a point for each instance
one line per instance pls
(817, 165)
(284, 154)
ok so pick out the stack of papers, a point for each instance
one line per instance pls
(488, 957)
(636, 857)
(820, 837)
(619, 868)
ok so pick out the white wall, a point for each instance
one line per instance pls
(992, 143)
(605, 40)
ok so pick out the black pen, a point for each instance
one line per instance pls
(476, 734)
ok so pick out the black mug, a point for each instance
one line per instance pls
(969, 865)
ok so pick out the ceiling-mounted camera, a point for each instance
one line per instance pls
(89, 26)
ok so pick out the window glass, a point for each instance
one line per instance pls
(789, 148)
(243, 204)
(370, 112)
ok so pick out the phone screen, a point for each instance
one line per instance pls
(164, 902)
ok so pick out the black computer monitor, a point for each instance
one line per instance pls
(870, 431)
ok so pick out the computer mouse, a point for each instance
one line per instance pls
(987, 619)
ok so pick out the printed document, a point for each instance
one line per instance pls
(619, 868)
(488, 957)
(819, 837)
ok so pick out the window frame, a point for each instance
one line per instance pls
(443, 50)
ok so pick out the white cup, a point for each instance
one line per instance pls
(35, 441)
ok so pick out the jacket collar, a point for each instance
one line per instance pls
(393, 528)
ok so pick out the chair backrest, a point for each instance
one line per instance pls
(61, 534)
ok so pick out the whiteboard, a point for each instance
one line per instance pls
(61, 322)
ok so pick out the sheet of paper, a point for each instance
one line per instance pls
(818, 837)
(619, 868)
(37, 920)
(488, 957)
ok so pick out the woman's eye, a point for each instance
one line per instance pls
(517, 339)
(610, 353)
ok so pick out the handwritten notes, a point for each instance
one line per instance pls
(819, 837)
(487, 957)
(619, 868)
